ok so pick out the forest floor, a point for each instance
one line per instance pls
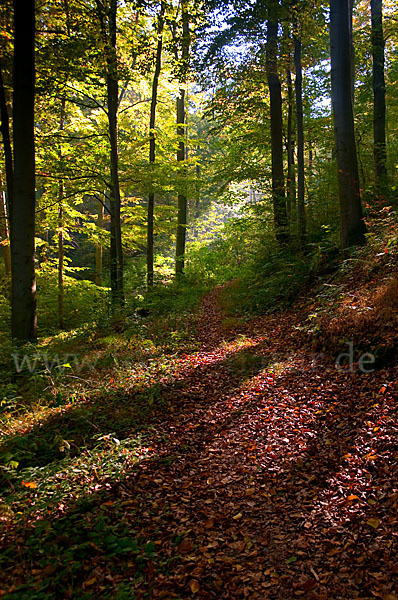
(260, 471)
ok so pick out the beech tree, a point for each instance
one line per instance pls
(274, 85)
(379, 93)
(352, 225)
(180, 105)
(152, 144)
(107, 15)
(298, 86)
(23, 202)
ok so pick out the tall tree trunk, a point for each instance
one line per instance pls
(290, 185)
(152, 147)
(298, 86)
(5, 132)
(197, 190)
(274, 85)
(182, 198)
(5, 234)
(23, 298)
(108, 24)
(379, 94)
(352, 225)
(98, 247)
(61, 229)
(113, 98)
(61, 256)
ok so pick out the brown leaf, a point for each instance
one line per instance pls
(194, 585)
(209, 523)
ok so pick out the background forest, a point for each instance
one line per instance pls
(154, 150)
(198, 299)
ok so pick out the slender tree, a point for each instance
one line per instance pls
(352, 225)
(98, 246)
(298, 86)
(290, 176)
(108, 22)
(274, 85)
(61, 255)
(4, 232)
(181, 151)
(5, 132)
(152, 144)
(23, 298)
(379, 94)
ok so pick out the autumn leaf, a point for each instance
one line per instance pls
(373, 523)
(29, 484)
(209, 523)
(194, 585)
(352, 497)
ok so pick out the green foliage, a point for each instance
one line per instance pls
(83, 302)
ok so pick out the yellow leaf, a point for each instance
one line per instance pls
(373, 523)
(194, 585)
(250, 491)
(29, 484)
(238, 516)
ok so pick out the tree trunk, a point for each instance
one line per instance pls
(109, 33)
(182, 198)
(298, 86)
(5, 132)
(61, 257)
(274, 85)
(113, 98)
(379, 95)
(152, 148)
(352, 225)
(290, 185)
(98, 247)
(5, 234)
(61, 230)
(23, 298)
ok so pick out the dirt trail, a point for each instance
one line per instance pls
(274, 478)
(268, 474)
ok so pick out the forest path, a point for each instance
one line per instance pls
(262, 472)
(274, 476)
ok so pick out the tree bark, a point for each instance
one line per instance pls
(109, 34)
(152, 147)
(290, 184)
(274, 85)
(23, 295)
(4, 232)
(5, 132)
(182, 199)
(181, 151)
(298, 85)
(98, 247)
(61, 230)
(60, 257)
(352, 225)
(379, 95)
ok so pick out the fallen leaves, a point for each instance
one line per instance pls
(278, 485)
